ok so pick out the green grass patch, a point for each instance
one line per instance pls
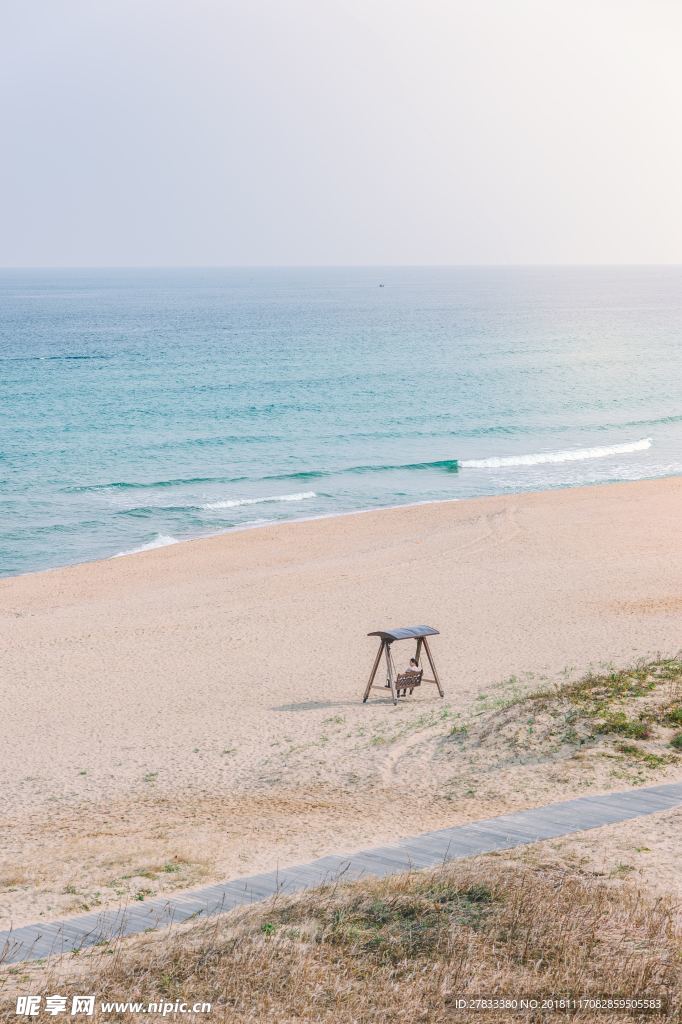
(645, 756)
(632, 703)
(619, 723)
(596, 692)
(673, 715)
(409, 923)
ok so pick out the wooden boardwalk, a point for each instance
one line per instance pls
(37, 941)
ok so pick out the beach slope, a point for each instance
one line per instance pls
(194, 712)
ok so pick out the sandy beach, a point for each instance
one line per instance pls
(194, 712)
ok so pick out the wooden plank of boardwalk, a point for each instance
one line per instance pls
(38, 941)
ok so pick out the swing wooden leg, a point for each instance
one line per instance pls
(389, 669)
(416, 658)
(372, 674)
(433, 667)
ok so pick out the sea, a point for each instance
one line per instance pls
(141, 408)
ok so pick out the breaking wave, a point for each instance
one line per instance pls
(236, 502)
(161, 540)
(569, 455)
(446, 465)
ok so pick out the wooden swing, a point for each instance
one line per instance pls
(399, 685)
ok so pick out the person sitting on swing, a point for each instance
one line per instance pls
(413, 666)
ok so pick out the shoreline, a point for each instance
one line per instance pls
(248, 527)
(238, 529)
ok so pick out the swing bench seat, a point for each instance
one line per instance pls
(407, 681)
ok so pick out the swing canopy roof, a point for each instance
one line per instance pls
(405, 632)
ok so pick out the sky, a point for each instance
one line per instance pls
(339, 132)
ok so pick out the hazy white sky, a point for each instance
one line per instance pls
(155, 132)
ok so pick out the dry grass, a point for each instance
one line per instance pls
(398, 950)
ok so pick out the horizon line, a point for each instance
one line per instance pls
(325, 266)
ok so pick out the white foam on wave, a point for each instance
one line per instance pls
(569, 455)
(235, 503)
(161, 540)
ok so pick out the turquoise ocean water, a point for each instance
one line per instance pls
(144, 407)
